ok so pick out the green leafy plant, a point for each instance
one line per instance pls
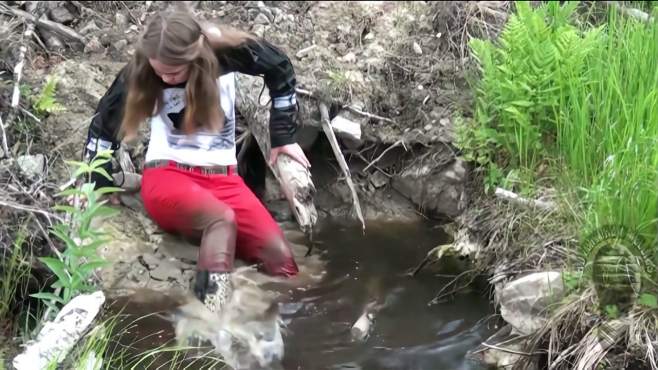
(538, 56)
(75, 266)
(648, 300)
(612, 312)
(46, 102)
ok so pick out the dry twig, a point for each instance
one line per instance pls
(5, 147)
(326, 127)
(395, 145)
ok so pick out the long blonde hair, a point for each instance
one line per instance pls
(176, 38)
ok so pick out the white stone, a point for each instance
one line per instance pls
(32, 166)
(261, 19)
(524, 302)
(344, 127)
(417, 49)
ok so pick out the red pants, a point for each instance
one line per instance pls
(221, 210)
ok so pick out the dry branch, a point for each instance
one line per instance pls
(395, 145)
(18, 69)
(326, 127)
(295, 179)
(518, 200)
(49, 25)
(5, 147)
(352, 109)
(25, 208)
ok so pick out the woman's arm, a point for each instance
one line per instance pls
(239, 52)
(104, 127)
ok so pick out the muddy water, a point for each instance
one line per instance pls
(407, 332)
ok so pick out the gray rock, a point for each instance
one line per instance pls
(503, 358)
(524, 302)
(253, 13)
(120, 20)
(32, 166)
(105, 39)
(89, 28)
(93, 45)
(259, 29)
(261, 19)
(253, 4)
(378, 180)
(61, 15)
(276, 12)
(120, 45)
(439, 193)
(267, 13)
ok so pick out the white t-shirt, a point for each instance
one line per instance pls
(200, 149)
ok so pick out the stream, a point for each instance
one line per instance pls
(408, 332)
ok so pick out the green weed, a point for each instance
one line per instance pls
(75, 266)
(15, 270)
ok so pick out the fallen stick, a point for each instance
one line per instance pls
(302, 53)
(25, 208)
(59, 336)
(517, 199)
(295, 179)
(18, 69)
(395, 145)
(55, 27)
(352, 109)
(5, 147)
(366, 114)
(326, 127)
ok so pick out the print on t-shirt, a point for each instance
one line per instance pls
(173, 113)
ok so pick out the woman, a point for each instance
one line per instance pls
(181, 79)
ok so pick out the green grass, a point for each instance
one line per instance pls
(580, 100)
(13, 274)
(105, 347)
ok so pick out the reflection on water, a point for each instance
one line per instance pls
(407, 333)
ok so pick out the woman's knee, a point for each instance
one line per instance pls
(277, 258)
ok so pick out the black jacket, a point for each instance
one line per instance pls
(251, 57)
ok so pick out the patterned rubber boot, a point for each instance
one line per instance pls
(214, 290)
(218, 291)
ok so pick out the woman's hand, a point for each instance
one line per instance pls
(293, 150)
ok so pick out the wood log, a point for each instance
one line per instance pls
(55, 27)
(59, 336)
(294, 178)
(52, 41)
